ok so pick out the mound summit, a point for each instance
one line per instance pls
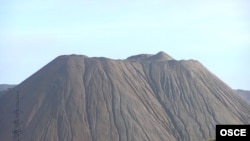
(142, 98)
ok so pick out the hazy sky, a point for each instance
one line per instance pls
(214, 32)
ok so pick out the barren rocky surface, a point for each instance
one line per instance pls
(142, 98)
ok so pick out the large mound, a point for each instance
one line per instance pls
(143, 98)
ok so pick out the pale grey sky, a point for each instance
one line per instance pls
(214, 32)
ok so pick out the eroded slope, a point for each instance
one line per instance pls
(98, 99)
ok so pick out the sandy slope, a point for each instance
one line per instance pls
(146, 97)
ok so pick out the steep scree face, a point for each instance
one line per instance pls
(97, 99)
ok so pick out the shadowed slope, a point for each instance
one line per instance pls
(97, 99)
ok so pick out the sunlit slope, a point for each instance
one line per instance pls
(144, 97)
